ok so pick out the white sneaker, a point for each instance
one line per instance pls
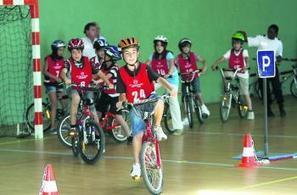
(250, 115)
(205, 110)
(160, 133)
(136, 171)
(185, 122)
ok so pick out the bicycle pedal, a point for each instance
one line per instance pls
(136, 178)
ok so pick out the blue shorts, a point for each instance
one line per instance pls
(136, 117)
(51, 88)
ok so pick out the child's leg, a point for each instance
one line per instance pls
(244, 90)
(75, 99)
(158, 112)
(175, 112)
(90, 95)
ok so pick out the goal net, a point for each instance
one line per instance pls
(16, 74)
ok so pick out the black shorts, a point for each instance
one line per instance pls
(105, 102)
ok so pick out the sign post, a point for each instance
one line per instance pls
(266, 69)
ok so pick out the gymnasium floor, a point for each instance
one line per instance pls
(199, 162)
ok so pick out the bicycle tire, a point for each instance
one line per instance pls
(45, 115)
(63, 132)
(97, 143)
(122, 137)
(75, 144)
(225, 107)
(148, 153)
(199, 113)
(293, 88)
(168, 119)
(189, 110)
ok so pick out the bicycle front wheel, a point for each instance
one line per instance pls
(293, 87)
(151, 171)
(168, 119)
(91, 143)
(30, 113)
(225, 107)
(189, 110)
(199, 113)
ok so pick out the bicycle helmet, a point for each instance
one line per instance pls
(100, 43)
(113, 52)
(183, 42)
(238, 37)
(162, 39)
(128, 42)
(75, 43)
(57, 44)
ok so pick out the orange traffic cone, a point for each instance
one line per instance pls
(48, 186)
(248, 159)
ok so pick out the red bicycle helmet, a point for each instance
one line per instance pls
(75, 43)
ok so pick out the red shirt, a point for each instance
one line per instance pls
(54, 67)
(81, 76)
(187, 65)
(139, 86)
(236, 61)
(160, 66)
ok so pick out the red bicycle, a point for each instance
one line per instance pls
(150, 156)
(108, 123)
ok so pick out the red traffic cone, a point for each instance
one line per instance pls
(48, 186)
(248, 159)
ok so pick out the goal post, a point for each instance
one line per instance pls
(36, 65)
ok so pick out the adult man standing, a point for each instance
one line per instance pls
(271, 42)
(92, 32)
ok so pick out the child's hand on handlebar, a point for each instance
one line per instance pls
(67, 81)
(173, 92)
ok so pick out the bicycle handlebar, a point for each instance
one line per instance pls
(190, 73)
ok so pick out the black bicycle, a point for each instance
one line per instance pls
(46, 113)
(189, 100)
(89, 140)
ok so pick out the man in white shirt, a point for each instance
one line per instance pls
(92, 32)
(271, 42)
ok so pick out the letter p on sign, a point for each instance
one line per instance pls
(266, 63)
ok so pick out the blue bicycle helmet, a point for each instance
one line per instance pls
(100, 43)
(57, 44)
(113, 52)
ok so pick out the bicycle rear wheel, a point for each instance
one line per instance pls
(152, 172)
(293, 87)
(63, 132)
(46, 110)
(168, 119)
(91, 143)
(189, 110)
(118, 133)
(225, 107)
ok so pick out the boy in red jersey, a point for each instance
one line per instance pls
(135, 82)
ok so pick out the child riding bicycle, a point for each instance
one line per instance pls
(187, 62)
(135, 82)
(78, 71)
(162, 62)
(109, 97)
(238, 59)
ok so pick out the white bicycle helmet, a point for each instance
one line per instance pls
(161, 38)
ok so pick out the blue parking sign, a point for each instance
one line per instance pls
(266, 63)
